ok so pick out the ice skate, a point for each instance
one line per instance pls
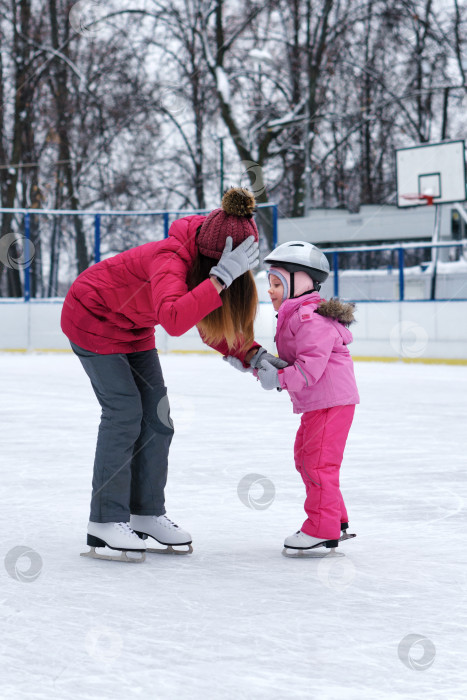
(164, 532)
(115, 536)
(302, 545)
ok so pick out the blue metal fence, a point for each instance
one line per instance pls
(167, 218)
(335, 253)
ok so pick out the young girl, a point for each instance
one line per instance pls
(312, 337)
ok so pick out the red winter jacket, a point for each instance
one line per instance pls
(113, 306)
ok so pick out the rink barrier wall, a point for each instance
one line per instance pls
(412, 331)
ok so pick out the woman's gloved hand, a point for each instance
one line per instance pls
(237, 364)
(235, 263)
(263, 354)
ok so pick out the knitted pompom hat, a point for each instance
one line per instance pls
(234, 218)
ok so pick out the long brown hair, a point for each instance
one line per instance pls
(233, 321)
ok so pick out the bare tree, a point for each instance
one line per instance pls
(17, 144)
(314, 98)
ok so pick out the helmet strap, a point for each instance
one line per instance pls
(292, 285)
(316, 286)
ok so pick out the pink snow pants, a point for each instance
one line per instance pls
(319, 449)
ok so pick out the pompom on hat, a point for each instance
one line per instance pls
(234, 218)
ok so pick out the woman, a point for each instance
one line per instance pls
(200, 275)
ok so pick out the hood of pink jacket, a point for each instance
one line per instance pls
(185, 230)
(312, 302)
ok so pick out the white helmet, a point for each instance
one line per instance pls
(294, 256)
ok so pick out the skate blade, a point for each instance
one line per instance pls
(128, 556)
(346, 536)
(310, 553)
(170, 549)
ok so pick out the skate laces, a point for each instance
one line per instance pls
(126, 529)
(167, 522)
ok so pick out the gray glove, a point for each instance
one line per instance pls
(268, 376)
(236, 363)
(235, 263)
(263, 354)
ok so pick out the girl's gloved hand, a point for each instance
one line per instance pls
(235, 263)
(263, 354)
(268, 376)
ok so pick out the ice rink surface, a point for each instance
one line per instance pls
(236, 619)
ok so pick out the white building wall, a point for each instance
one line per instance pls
(372, 223)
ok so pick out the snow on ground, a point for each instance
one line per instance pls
(236, 619)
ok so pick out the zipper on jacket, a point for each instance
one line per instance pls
(304, 375)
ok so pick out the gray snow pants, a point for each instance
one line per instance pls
(135, 432)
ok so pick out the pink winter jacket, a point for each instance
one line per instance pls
(320, 372)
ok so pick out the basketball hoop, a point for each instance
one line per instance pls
(432, 173)
(420, 198)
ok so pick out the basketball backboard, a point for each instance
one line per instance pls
(436, 170)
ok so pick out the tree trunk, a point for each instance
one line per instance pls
(63, 127)
(316, 46)
(297, 165)
(23, 101)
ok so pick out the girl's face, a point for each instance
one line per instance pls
(275, 291)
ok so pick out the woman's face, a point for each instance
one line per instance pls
(275, 291)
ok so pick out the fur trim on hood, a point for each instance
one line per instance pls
(344, 313)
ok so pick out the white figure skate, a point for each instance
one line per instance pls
(115, 536)
(163, 531)
(302, 545)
